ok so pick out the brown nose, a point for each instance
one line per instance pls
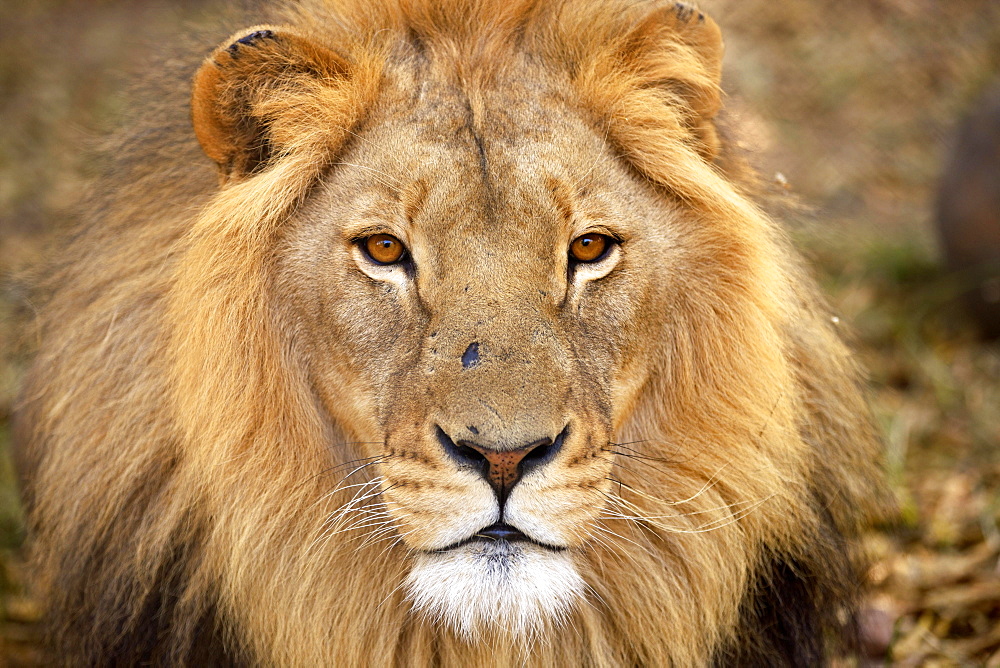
(502, 468)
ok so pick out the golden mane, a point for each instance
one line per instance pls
(167, 391)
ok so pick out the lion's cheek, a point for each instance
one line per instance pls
(558, 509)
(433, 515)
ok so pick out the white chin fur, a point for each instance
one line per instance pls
(488, 588)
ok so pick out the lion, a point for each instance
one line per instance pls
(465, 345)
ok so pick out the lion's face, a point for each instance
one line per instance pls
(483, 372)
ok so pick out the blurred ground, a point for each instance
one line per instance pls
(848, 105)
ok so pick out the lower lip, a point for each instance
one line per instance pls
(498, 541)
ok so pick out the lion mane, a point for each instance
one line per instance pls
(223, 442)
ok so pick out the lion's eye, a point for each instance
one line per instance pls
(383, 248)
(590, 247)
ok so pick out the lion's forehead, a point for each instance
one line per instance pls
(505, 140)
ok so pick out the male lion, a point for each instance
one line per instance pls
(471, 351)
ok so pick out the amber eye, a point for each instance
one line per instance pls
(589, 247)
(383, 248)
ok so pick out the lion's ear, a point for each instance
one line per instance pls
(677, 50)
(247, 96)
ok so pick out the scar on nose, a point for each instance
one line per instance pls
(470, 357)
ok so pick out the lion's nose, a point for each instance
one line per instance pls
(502, 468)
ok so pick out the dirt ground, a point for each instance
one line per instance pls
(848, 107)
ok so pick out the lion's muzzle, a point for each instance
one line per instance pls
(502, 467)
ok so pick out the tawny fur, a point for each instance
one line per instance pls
(190, 429)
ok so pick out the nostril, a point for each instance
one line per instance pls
(471, 454)
(540, 452)
(463, 454)
(543, 452)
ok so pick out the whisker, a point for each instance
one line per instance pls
(343, 488)
(398, 541)
(635, 454)
(710, 483)
(613, 550)
(609, 532)
(391, 594)
(358, 469)
(738, 506)
(740, 513)
(350, 463)
(336, 517)
(337, 467)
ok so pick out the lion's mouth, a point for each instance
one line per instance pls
(492, 582)
(500, 532)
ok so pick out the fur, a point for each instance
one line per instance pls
(228, 438)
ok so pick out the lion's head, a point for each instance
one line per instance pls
(472, 352)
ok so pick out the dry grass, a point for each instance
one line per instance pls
(855, 102)
(852, 102)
